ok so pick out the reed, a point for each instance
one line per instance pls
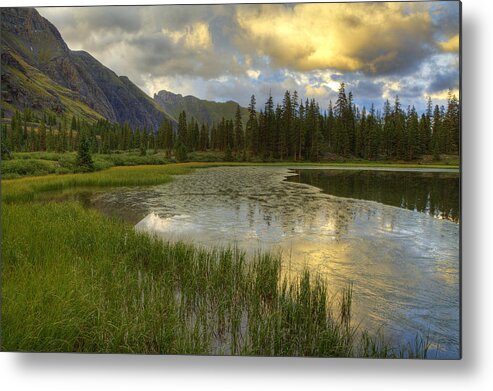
(75, 281)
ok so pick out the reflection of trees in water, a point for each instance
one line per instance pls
(260, 200)
(434, 193)
(301, 212)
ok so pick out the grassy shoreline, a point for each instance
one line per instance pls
(29, 188)
(26, 164)
(76, 281)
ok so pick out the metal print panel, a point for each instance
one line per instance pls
(236, 179)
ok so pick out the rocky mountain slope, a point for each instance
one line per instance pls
(39, 71)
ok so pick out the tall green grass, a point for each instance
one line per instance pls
(75, 281)
(32, 188)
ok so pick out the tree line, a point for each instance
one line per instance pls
(290, 130)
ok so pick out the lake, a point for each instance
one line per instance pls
(393, 234)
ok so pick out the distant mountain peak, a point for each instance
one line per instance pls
(204, 111)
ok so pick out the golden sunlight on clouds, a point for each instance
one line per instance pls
(452, 45)
(443, 95)
(391, 89)
(196, 36)
(253, 74)
(347, 37)
(312, 91)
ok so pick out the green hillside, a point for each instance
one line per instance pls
(27, 87)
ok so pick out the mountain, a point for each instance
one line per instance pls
(40, 72)
(204, 111)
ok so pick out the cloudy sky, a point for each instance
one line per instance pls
(228, 51)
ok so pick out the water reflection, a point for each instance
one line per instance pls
(435, 193)
(403, 264)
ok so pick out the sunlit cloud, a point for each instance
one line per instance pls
(372, 37)
(452, 45)
(313, 91)
(443, 95)
(253, 74)
(223, 52)
(195, 36)
(391, 89)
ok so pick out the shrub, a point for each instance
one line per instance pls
(16, 168)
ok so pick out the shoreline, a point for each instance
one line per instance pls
(378, 168)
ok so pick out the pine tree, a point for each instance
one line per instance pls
(399, 142)
(182, 137)
(204, 137)
(361, 135)
(436, 133)
(412, 133)
(293, 135)
(251, 132)
(286, 127)
(5, 152)
(452, 124)
(268, 138)
(388, 130)
(181, 152)
(372, 145)
(300, 132)
(84, 162)
(238, 129)
(168, 138)
(42, 136)
(342, 123)
(143, 146)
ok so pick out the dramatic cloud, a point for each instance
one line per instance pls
(224, 52)
(155, 40)
(372, 37)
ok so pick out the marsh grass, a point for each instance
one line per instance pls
(75, 281)
(91, 284)
(32, 188)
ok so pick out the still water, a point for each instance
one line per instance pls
(394, 235)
